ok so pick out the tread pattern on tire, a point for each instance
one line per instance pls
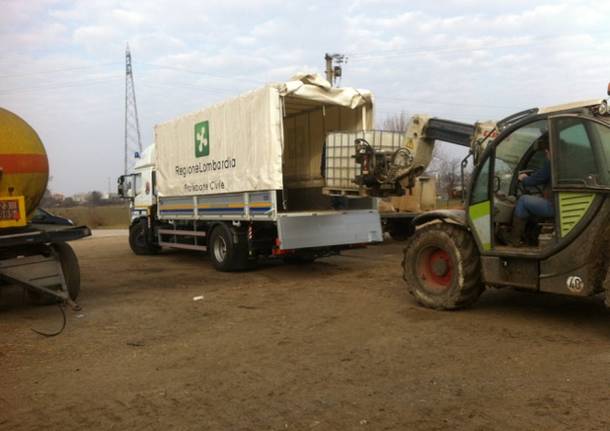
(237, 253)
(469, 285)
(145, 250)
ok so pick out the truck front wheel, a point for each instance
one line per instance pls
(226, 252)
(442, 267)
(139, 239)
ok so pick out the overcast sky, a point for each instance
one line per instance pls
(62, 62)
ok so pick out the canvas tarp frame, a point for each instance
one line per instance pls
(237, 145)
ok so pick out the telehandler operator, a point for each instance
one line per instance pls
(534, 206)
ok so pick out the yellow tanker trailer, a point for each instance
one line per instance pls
(34, 255)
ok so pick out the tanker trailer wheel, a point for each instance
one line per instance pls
(139, 239)
(71, 270)
(225, 253)
(442, 267)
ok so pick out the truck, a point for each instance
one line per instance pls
(244, 178)
(34, 249)
(455, 254)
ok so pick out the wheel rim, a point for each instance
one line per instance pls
(434, 269)
(140, 238)
(220, 249)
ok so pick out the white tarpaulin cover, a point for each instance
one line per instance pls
(236, 146)
(314, 87)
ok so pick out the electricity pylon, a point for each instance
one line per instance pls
(133, 139)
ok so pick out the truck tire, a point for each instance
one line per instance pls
(139, 239)
(226, 254)
(71, 270)
(442, 267)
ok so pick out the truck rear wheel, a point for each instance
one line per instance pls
(225, 252)
(442, 267)
(71, 270)
(139, 239)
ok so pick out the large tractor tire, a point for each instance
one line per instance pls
(225, 253)
(71, 270)
(139, 239)
(442, 267)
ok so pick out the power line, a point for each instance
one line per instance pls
(441, 102)
(197, 87)
(407, 52)
(50, 87)
(52, 71)
(205, 90)
(200, 73)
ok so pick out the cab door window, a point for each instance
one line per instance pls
(575, 158)
(601, 133)
(511, 151)
(480, 190)
(137, 184)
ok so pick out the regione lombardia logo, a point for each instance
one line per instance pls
(202, 139)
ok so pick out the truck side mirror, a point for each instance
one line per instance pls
(120, 185)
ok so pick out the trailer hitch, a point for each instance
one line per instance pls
(40, 273)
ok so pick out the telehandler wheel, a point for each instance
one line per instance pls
(139, 240)
(71, 270)
(442, 267)
(225, 253)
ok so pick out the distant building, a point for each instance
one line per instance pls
(79, 197)
(110, 196)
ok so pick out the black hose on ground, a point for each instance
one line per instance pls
(63, 325)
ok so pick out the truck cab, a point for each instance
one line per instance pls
(139, 186)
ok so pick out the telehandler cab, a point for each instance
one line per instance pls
(454, 254)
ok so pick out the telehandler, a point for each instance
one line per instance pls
(454, 254)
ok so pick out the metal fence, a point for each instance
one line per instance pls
(340, 168)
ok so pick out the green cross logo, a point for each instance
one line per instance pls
(202, 139)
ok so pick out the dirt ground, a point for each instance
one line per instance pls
(334, 345)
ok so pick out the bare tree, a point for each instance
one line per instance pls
(450, 178)
(396, 122)
(94, 198)
(446, 167)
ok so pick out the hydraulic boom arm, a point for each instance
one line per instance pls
(387, 173)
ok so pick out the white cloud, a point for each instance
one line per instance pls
(462, 59)
(93, 36)
(128, 16)
(268, 28)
